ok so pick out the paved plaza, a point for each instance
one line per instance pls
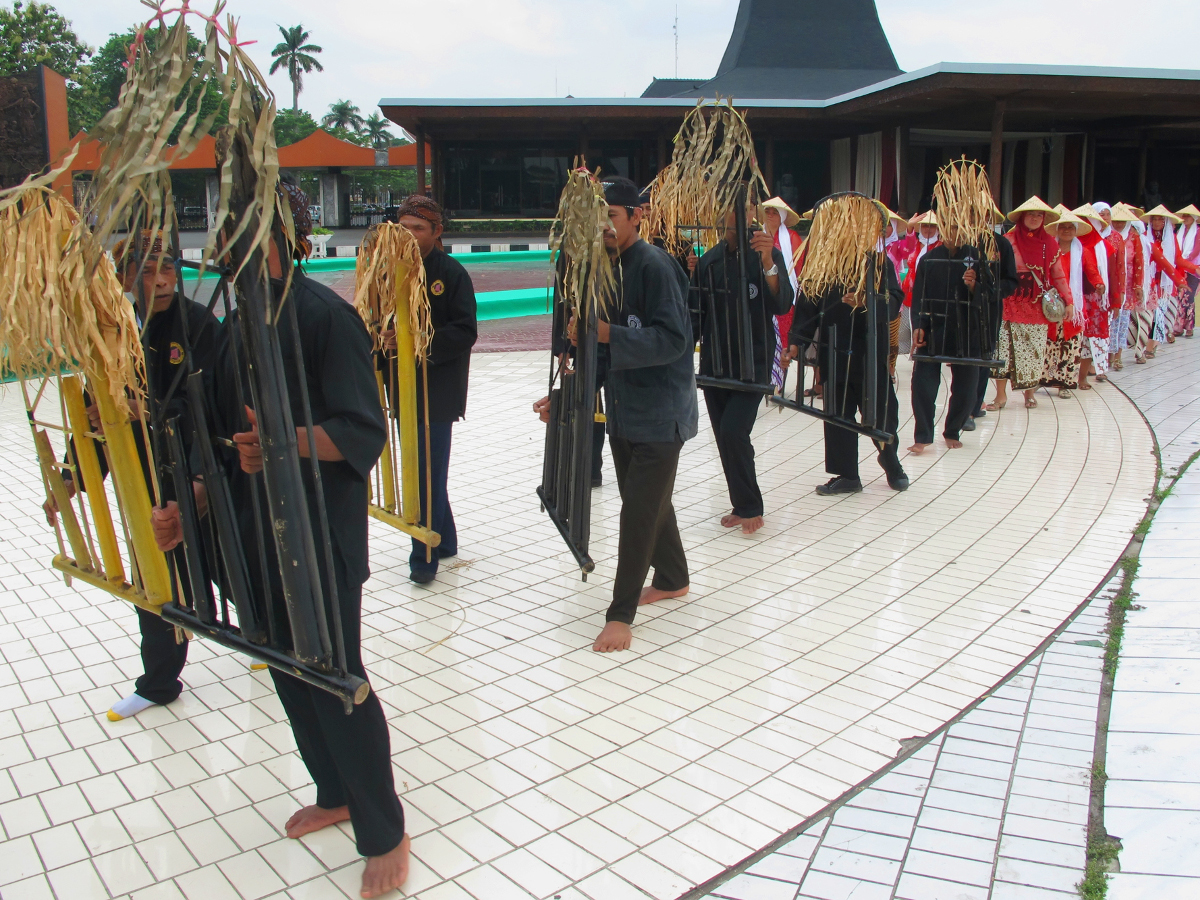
(804, 687)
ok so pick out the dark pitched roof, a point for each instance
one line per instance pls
(669, 87)
(800, 50)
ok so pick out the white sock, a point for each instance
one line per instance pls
(129, 706)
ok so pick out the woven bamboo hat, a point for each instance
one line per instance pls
(925, 218)
(1090, 214)
(1136, 210)
(1161, 210)
(790, 217)
(1034, 204)
(1122, 213)
(1189, 210)
(1066, 217)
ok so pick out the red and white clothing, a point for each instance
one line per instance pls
(1189, 261)
(1166, 279)
(789, 244)
(1089, 276)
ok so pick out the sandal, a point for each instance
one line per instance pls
(819, 393)
(1102, 378)
(1085, 386)
(1118, 365)
(1140, 360)
(1064, 394)
(993, 406)
(1031, 403)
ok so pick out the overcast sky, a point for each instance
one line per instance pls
(612, 48)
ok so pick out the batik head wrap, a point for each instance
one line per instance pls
(423, 208)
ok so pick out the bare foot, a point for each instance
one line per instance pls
(615, 636)
(388, 872)
(917, 448)
(953, 444)
(730, 521)
(749, 526)
(313, 818)
(653, 595)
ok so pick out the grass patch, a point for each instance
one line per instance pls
(1118, 607)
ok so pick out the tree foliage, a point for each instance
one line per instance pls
(296, 54)
(293, 125)
(343, 115)
(375, 132)
(100, 83)
(36, 35)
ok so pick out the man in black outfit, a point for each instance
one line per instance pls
(348, 756)
(455, 329)
(1006, 287)
(651, 402)
(839, 309)
(940, 295)
(732, 412)
(163, 647)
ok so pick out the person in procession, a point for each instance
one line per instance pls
(173, 324)
(1093, 344)
(733, 412)
(650, 393)
(778, 221)
(1189, 261)
(1121, 325)
(926, 236)
(1083, 280)
(348, 756)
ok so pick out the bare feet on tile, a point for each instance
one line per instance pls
(918, 449)
(952, 443)
(313, 818)
(653, 595)
(615, 636)
(388, 872)
(749, 526)
(730, 521)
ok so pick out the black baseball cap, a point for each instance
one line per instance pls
(620, 191)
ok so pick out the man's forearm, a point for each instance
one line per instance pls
(327, 450)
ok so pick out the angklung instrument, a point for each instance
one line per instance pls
(584, 288)
(844, 257)
(391, 297)
(714, 172)
(132, 189)
(964, 326)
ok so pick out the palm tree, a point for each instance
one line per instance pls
(375, 131)
(294, 53)
(344, 115)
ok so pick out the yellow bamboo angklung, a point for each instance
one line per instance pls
(390, 295)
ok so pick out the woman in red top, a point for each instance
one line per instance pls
(1063, 369)
(1023, 334)
(1093, 349)
(1166, 275)
(1121, 327)
(925, 227)
(1189, 260)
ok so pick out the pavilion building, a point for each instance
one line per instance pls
(831, 110)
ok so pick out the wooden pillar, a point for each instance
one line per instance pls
(663, 152)
(1089, 168)
(996, 158)
(1143, 164)
(769, 165)
(583, 145)
(435, 165)
(420, 136)
(903, 148)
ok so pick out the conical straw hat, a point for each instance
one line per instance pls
(1090, 214)
(1189, 210)
(790, 217)
(1066, 217)
(1122, 213)
(925, 218)
(1034, 204)
(1161, 210)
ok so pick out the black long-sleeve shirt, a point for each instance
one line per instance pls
(722, 263)
(849, 323)
(455, 329)
(651, 385)
(344, 399)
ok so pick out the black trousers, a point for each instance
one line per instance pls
(442, 520)
(348, 756)
(597, 450)
(985, 377)
(162, 659)
(841, 444)
(964, 389)
(732, 414)
(649, 532)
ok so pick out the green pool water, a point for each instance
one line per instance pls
(492, 304)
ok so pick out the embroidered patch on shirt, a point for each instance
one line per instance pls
(753, 290)
(437, 288)
(176, 354)
(634, 322)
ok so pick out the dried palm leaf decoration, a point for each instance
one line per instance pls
(845, 229)
(713, 158)
(586, 281)
(962, 198)
(383, 249)
(131, 188)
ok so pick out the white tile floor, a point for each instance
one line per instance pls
(1152, 801)
(529, 766)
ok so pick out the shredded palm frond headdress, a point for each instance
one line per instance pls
(962, 199)
(845, 229)
(586, 280)
(384, 248)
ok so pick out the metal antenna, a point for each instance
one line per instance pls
(676, 30)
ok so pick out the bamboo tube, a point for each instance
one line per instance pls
(87, 461)
(385, 460)
(58, 488)
(406, 401)
(134, 497)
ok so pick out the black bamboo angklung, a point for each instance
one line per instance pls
(723, 317)
(566, 489)
(305, 645)
(964, 325)
(821, 353)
